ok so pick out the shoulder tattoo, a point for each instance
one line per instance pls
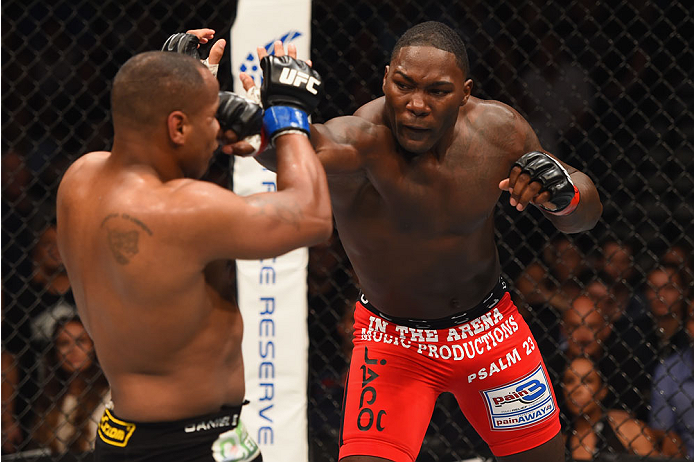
(123, 235)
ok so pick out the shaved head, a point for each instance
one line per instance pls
(151, 85)
(437, 35)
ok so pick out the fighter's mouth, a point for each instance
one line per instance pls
(415, 129)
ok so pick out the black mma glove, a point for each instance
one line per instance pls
(554, 178)
(237, 113)
(289, 93)
(187, 44)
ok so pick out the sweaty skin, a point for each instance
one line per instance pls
(414, 179)
(147, 250)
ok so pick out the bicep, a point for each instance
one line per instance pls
(339, 144)
(216, 223)
(334, 143)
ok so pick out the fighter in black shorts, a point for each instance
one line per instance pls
(146, 247)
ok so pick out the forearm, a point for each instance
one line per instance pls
(300, 173)
(588, 211)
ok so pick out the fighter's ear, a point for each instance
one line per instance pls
(385, 76)
(467, 91)
(176, 124)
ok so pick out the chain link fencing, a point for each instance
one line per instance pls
(607, 87)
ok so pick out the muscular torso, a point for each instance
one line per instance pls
(166, 328)
(419, 231)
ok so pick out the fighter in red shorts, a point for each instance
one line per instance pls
(414, 179)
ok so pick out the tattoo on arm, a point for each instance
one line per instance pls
(286, 213)
(123, 235)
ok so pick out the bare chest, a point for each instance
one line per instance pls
(455, 195)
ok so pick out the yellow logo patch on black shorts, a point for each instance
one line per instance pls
(114, 431)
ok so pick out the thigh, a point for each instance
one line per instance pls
(505, 391)
(388, 403)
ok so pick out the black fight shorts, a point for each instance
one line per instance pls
(216, 437)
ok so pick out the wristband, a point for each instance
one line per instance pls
(279, 118)
(212, 67)
(290, 131)
(569, 208)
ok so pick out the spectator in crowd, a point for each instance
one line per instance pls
(666, 299)
(609, 295)
(672, 398)
(545, 290)
(586, 328)
(565, 259)
(593, 430)
(49, 271)
(637, 344)
(617, 260)
(75, 391)
(47, 288)
(680, 255)
(612, 298)
(589, 333)
(552, 280)
(50, 276)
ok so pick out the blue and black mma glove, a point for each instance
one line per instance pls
(544, 169)
(290, 91)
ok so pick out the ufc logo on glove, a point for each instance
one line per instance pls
(296, 78)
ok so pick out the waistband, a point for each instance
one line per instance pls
(483, 307)
(115, 431)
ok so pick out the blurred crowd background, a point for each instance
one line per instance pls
(607, 87)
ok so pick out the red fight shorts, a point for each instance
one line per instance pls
(490, 363)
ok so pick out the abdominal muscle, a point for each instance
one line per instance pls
(406, 276)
